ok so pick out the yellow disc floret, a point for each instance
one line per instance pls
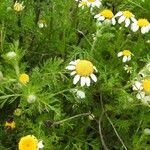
(84, 3)
(91, 1)
(84, 68)
(107, 13)
(28, 142)
(24, 78)
(127, 14)
(11, 124)
(146, 85)
(143, 22)
(126, 53)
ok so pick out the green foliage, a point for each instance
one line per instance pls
(46, 106)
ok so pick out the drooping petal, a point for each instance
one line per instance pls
(97, 16)
(137, 86)
(95, 69)
(121, 19)
(88, 81)
(134, 27)
(73, 63)
(125, 58)
(94, 78)
(83, 81)
(101, 18)
(113, 21)
(133, 19)
(140, 95)
(144, 30)
(129, 58)
(76, 79)
(127, 22)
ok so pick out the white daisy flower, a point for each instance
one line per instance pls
(126, 55)
(94, 3)
(143, 89)
(125, 16)
(128, 69)
(106, 15)
(42, 23)
(141, 23)
(18, 6)
(40, 145)
(83, 71)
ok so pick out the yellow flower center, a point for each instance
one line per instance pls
(11, 125)
(127, 14)
(24, 78)
(107, 13)
(84, 68)
(127, 53)
(146, 85)
(28, 143)
(143, 22)
(18, 7)
(91, 1)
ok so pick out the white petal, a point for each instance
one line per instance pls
(113, 21)
(70, 67)
(120, 54)
(88, 81)
(76, 79)
(95, 69)
(97, 16)
(140, 95)
(137, 86)
(134, 27)
(121, 19)
(125, 58)
(83, 81)
(127, 22)
(73, 73)
(94, 78)
(101, 18)
(118, 14)
(133, 19)
(40, 145)
(129, 58)
(144, 30)
(147, 98)
(73, 63)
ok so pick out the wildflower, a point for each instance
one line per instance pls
(10, 124)
(83, 70)
(11, 55)
(31, 98)
(126, 55)
(94, 3)
(141, 23)
(143, 89)
(79, 93)
(17, 112)
(28, 142)
(82, 4)
(125, 16)
(128, 69)
(42, 23)
(106, 15)
(18, 6)
(24, 78)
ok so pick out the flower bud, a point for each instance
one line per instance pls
(31, 98)
(11, 55)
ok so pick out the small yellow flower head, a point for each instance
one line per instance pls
(126, 55)
(24, 78)
(17, 112)
(18, 6)
(10, 125)
(28, 142)
(83, 71)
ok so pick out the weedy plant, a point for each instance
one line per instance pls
(74, 75)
